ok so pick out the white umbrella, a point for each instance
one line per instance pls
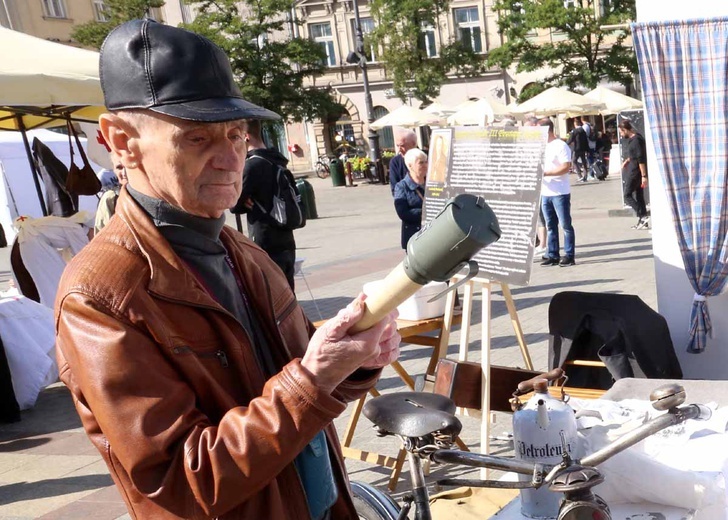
(614, 101)
(465, 104)
(559, 101)
(406, 116)
(439, 109)
(480, 112)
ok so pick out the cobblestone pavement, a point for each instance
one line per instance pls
(49, 470)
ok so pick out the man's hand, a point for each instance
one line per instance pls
(333, 354)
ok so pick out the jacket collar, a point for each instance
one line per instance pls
(169, 275)
(410, 183)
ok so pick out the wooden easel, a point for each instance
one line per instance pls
(486, 290)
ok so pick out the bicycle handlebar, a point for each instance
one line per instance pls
(481, 460)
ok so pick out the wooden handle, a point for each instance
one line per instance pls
(527, 386)
(393, 290)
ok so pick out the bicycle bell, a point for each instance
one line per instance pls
(667, 396)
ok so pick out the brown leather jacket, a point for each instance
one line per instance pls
(168, 389)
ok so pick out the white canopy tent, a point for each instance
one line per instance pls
(408, 117)
(17, 195)
(614, 102)
(557, 100)
(481, 112)
(43, 84)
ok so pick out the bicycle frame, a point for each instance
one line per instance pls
(541, 474)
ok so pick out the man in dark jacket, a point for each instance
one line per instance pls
(259, 185)
(635, 179)
(579, 142)
(405, 141)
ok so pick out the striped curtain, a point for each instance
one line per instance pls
(684, 68)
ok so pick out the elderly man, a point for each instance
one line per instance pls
(192, 366)
(404, 141)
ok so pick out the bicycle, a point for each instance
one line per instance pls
(322, 168)
(427, 428)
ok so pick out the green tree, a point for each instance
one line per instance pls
(402, 42)
(580, 52)
(269, 63)
(116, 12)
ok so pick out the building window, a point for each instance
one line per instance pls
(467, 21)
(321, 34)
(100, 11)
(367, 26)
(427, 40)
(569, 3)
(605, 6)
(386, 136)
(54, 9)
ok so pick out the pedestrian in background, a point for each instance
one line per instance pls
(409, 193)
(556, 198)
(405, 140)
(635, 167)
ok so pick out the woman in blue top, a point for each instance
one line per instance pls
(409, 193)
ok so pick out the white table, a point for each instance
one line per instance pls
(619, 512)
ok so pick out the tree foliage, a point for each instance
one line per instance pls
(579, 51)
(269, 63)
(92, 34)
(399, 37)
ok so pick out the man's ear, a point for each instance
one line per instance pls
(122, 138)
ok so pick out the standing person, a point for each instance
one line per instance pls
(410, 193)
(193, 368)
(405, 140)
(107, 202)
(591, 140)
(556, 198)
(578, 140)
(260, 185)
(635, 167)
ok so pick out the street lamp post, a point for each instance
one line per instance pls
(373, 137)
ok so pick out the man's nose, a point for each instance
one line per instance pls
(228, 157)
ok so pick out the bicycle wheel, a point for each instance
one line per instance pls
(372, 504)
(322, 171)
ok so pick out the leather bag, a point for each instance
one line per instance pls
(83, 180)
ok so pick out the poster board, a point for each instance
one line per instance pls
(504, 165)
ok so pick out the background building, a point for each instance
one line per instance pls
(331, 24)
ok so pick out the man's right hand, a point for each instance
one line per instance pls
(333, 354)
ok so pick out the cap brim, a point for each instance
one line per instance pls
(216, 110)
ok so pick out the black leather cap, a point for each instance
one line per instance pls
(145, 64)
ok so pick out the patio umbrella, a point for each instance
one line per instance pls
(406, 116)
(439, 109)
(481, 112)
(613, 101)
(559, 101)
(43, 83)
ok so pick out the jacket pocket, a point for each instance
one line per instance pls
(211, 354)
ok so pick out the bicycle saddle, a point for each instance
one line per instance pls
(413, 414)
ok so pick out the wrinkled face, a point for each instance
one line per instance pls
(404, 144)
(418, 171)
(196, 167)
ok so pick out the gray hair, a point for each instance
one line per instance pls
(412, 155)
(409, 135)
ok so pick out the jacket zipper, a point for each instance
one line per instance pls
(287, 311)
(219, 354)
(278, 321)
